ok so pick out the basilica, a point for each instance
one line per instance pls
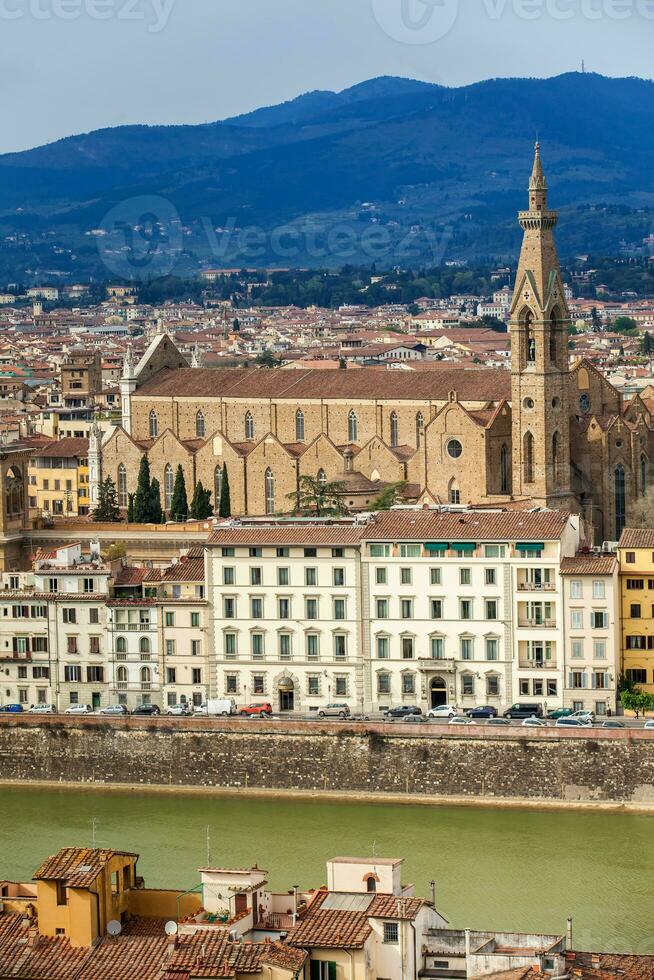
(546, 434)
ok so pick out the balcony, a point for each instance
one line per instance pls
(539, 624)
(439, 665)
(133, 627)
(537, 664)
(536, 587)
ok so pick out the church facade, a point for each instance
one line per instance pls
(544, 434)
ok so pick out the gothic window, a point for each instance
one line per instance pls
(14, 492)
(169, 486)
(249, 426)
(352, 427)
(322, 477)
(218, 487)
(144, 645)
(154, 425)
(504, 469)
(371, 884)
(270, 491)
(299, 425)
(453, 493)
(122, 486)
(554, 332)
(199, 425)
(584, 402)
(530, 338)
(420, 427)
(620, 499)
(644, 474)
(556, 457)
(528, 457)
(394, 429)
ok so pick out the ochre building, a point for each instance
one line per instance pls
(544, 433)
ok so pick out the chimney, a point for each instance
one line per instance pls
(568, 933)
(467, 944)
(432, 892)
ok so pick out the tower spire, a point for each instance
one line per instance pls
(537, 183)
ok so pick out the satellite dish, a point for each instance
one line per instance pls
(171, 928)
(114, 928)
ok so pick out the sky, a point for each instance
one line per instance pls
(71, 66)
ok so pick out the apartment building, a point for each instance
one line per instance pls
(285, 602)
(133, 661)
(58, 475)
(636, 571)
(25, 664)
(187, 670)
(591, 599)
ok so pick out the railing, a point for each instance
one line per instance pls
(546, 624)
(537, 664)
(535, 587)
(133, 627)
(275, 920)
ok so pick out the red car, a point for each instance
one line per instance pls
(264, 709)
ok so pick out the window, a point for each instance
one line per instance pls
(228, 552)
(408, 684)
(409, 551)
(494, 550)
(313, 646)
(407, 648)
(323, 970)
(599, 590)
(144, 645)
(217, 487)
(454, 449)
(256, 646)
(504, 469)
(465, 576)
(256, 576)
(491, 608)
(436, 608)
(283, 576)
(196, 675)
(406, 608)
(339, 609)
(381, 606)
(576, 619)
(256, 607)
(94, 646)
(466, 648)
(381, 576)
(380, 551)
(394, 430)
(490, 576)
(338, 576)
(310, 576)
(94, 675)
(258, 684)
(94, 616)
(437, 647)
(453, 493)
(311, 609)
(635, 584)
(620, 499)
(599, 649)
(229, 609)
(229, 644)
(635, 610)
(599, 620)
(171, 675)
(199, 425)
(637, 675)
(285, 649)
(170, 648)
(229, 575)
(352, 427)
(406, 576)
(340, 646)
(340, 684)
(299, 425)
(577, 649)
(231, 684)
(283, 552)
(528, 457)
(391, 932)
(434, 576)
(313, 685)
(465, 608)
(169, 618)
(310, 552)
(630, 558)
(420, 427)
(578, 679)
(467, 685)
(72, 674)
(122, 486)
(269, 488)
(383, 648)
(284, 608)
(249, 427)
(196, 648)
(153, 425)
(492, 648)
(492, 686)
(552, 688)
(69, 615)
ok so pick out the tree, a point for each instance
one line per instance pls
(201, 504)
(595, 319)
(390, 496)
(225, 502)
(142, 496)
(647, 343)
(624, 324)
(156, 514)
(315, 497)
(266, 359)
(637, 701)
(107, 510)
(179, 504)
(640, 512)
(130, 508)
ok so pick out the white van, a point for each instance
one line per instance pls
(216, 706)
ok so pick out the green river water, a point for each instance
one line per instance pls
(495, 868)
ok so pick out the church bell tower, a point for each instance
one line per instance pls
(539, 359)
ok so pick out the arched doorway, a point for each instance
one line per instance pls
(437, 692)
(286, 689)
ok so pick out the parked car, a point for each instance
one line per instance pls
(114, 709)
(572, 723)
(500, 722)
(334, 711)
(42, 709)
(613, 723)
(79, 709)
(11, 708)
(461, 720)
(216, 706)
(402, 710)
(534, 723)
(180, 710)
(147, 709)
(443, 711)
(524, 709)
(584, 715)
(485, 711)
(649, 725)
(264, 710)
(559, 713)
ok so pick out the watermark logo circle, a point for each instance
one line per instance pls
(416, 21)
(140, 238)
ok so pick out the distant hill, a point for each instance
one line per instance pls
(392, 170)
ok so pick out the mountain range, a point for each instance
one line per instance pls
(392, 170)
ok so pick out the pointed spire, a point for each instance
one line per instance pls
(128, 362)
(537, 184)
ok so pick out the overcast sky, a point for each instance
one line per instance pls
(70, 66)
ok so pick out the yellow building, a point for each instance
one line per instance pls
(59, 478)
(636, 561)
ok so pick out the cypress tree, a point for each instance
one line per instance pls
(142, 495)
(107, 509)
(225, 502)
(201, 503)
(156, 514)
(130, 508)
(179, 504)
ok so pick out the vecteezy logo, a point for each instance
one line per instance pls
(416, 21)
(140, 238)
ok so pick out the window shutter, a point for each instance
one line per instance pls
(332, 970)
(571, 679)
(593, 680)
(315, 970)
(584, 680)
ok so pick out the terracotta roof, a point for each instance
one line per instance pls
(287, 534)
(392, 907)
(130, 575)
(78, 867)
(125, 958)
(637, 537)
(609, 966)
(333, 928)
(588, 565)
(473, 384)
(286, 957)
(185, 570)
(466, 526)
(67, 447)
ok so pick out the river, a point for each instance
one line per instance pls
(509, 869)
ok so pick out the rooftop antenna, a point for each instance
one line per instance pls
(583, 67)
(208, 846)
(94, 824)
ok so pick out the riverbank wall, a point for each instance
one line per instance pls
(411, 762)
